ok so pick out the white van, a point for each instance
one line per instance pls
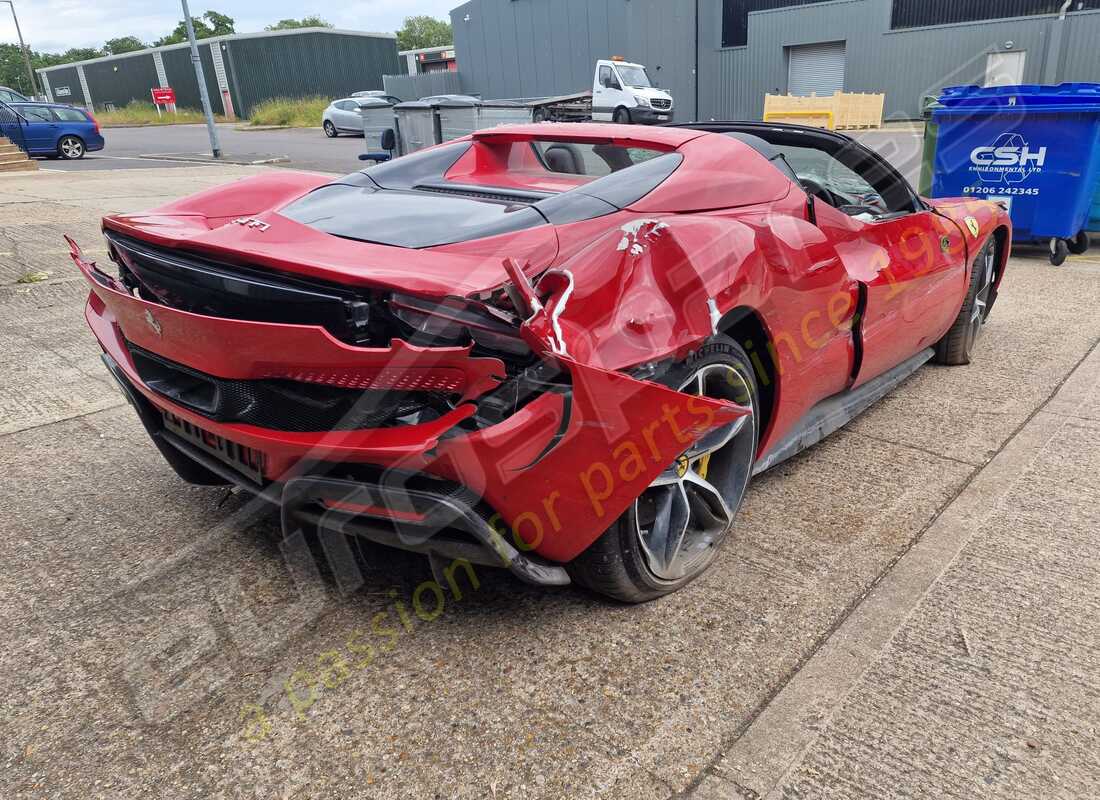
(622, 92)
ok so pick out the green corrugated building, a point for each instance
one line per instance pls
(241, 70)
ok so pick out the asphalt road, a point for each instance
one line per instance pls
(308, 149)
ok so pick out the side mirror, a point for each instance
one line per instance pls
(389, 139)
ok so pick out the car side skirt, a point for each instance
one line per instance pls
(833, 413)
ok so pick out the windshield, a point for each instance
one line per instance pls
(634, 77)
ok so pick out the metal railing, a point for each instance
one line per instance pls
(13, 126)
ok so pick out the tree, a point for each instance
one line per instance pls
(13, 72)
(123, 44)
(424, 31)
(81, 54)
(209, 24)
(220, 24)
(305, 22)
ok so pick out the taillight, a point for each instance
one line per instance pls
(92, 119)
(454, 321)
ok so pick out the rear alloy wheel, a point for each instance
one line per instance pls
(330, 129)
(70, 147)
(957, 345)
(672, 533)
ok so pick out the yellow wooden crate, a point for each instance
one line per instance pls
(814, 119)
(844, 109)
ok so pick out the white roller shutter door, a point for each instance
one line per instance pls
(816, 69)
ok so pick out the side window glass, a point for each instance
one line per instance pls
(831, 181)
(36, 114)
(605, 76)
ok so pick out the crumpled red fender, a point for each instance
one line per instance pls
(621, 433)
(556, 496)
(645, 290)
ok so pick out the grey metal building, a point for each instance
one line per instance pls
(240, 70)
(720, 57)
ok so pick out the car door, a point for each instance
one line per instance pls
(909, 260)
(348, 117)
(605, 94)
(41, 129)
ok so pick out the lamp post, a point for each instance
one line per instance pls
(204, 96)
(22, 46)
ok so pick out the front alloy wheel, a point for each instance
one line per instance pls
(979, 311)
(957, 345)
(672, 533)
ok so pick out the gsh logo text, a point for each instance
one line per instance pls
(1009, 159)
(1009, 156)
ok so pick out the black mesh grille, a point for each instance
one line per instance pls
(283, 405)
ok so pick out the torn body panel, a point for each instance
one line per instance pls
(622, 433)
(636, 295)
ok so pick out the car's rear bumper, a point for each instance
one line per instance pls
(549, 476)
(413, 512)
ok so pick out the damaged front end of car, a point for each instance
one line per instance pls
(487, 428)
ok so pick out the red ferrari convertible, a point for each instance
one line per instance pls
(562, 349)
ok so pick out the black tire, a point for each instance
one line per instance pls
(615, 565)
(71, 148)
(539, 115)
(621, 116)
(1059, 252)
(330, 129)
(957, 345)
(1079, 244)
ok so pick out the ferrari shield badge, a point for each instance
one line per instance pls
(972, 226)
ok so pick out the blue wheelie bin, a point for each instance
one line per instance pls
(1034, 149)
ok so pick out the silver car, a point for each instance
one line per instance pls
(345, 116)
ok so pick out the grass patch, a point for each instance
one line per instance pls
(140, 113)
(296, 112)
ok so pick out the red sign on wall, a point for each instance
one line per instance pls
(164, 96)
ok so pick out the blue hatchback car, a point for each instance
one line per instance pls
(49, 129)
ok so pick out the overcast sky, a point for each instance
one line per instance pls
(57, 25)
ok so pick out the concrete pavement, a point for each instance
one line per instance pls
(908, 605)
(970, 669)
